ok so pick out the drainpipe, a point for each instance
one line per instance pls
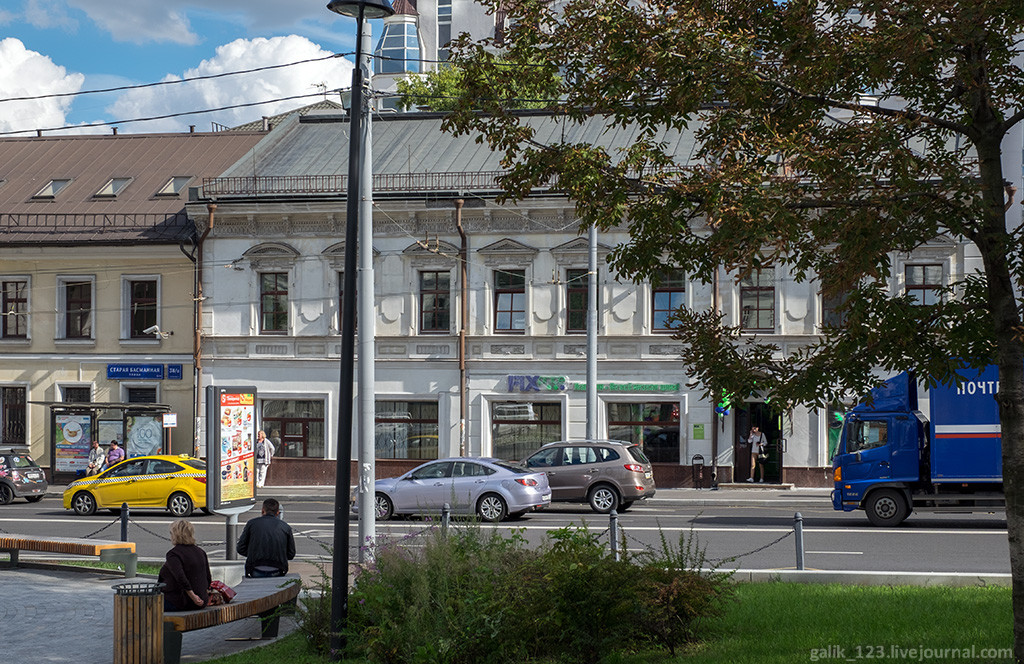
(197, 339)
(464, 323)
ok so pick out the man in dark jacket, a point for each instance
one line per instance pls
(267, 543)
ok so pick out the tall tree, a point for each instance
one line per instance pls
(832, 136)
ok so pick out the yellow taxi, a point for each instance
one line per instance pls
(175, 483)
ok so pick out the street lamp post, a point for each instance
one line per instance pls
(358, 9)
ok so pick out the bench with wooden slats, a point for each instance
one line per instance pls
(256, 597)
(107, 550)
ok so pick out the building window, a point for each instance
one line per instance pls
(295, 427)
(142, 307)
(406, 430)
(518, 428)
(77, 309)
(273, 303)
(113, 187)
(398, 50)
(13, 416)
(924, 283)
(577, 300)
(14, 313)
(510, 300)
(666, 298)
(52, 188)
(757, 300)
(174, 186)
(833, 310)
(653, 425)
(76, 394)
(140, 395)
(435, 301)
(444, 28)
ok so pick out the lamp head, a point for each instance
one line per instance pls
(371, 8)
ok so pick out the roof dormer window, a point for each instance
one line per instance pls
(52, 188)
(175, 185)
(113, 187)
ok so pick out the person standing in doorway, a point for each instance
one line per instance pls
(758, 453)
(264, 453)
(115, 454)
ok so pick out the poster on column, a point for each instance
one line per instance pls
(231, 433)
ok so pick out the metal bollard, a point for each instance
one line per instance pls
(446, 517)
(124, 522)
(798, 528)
(613, 533)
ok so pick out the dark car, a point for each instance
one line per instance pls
(608, 474)
(20, 477)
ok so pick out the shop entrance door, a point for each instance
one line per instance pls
(759, 414)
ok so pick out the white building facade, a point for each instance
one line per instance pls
(272, 275)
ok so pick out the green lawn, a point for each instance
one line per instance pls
(787, 622)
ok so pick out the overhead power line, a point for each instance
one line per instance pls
(175, 82)
(175, 115)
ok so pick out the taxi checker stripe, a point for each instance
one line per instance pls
(148, 477)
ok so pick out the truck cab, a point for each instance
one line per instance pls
(893, 460)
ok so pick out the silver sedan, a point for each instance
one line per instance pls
(492, 489)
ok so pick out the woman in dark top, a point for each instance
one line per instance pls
(186, 574)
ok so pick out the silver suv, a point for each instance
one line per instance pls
(609, 474)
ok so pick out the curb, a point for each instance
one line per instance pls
(863, 578)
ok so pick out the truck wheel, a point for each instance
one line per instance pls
(886, 507)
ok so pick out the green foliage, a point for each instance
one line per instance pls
(473, 597)
(443, 88)
(826, 146)
(314, 611)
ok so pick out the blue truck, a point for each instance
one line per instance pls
(893, 460)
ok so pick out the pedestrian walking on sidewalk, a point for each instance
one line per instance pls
(758, 453)
(264, 453)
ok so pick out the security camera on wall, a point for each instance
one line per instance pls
(152, 329)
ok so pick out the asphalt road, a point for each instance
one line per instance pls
(748, 537)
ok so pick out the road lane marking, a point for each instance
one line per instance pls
(839, 553)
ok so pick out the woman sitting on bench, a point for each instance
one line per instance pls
(186, 573)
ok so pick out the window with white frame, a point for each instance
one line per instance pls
(444, 28)
(577, 300)
(668, 295)
(435, 301)
(924, 283)
(76, 307)
(141, 297)
(510, 301)
(113, 187)
(273, 303)
(833, 309)
(14, 308)
(757, 300)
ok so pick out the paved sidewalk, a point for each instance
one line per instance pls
(52, 616)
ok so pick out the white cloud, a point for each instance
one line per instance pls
(48, 15)
(238, 55)
(26, 73)
(140, 21)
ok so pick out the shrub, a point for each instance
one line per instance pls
(469, 597)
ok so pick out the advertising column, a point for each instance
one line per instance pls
(230, 473)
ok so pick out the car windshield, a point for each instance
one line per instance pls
(194, 463)
(638, 454)
(515, 468)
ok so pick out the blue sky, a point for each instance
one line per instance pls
(59, 46)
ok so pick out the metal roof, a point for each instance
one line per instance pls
(138, 213)
(406, 145)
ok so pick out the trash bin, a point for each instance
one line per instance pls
(697, 468)
(138, 623)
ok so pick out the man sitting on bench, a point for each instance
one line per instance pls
(267, 543)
